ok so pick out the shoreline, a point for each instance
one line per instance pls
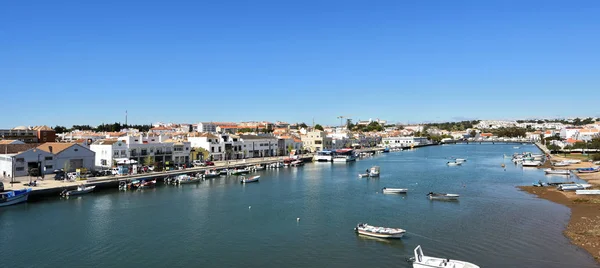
(583, 229)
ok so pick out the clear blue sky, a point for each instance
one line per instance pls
(86, 62)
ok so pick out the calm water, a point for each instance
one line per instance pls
(212, 224)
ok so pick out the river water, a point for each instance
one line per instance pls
(222, 223)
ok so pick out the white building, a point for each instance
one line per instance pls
(569, 132)
(259, 146)
(147, 149)
(207, 127)
(315, 141)
(404, 142)
(50, 156)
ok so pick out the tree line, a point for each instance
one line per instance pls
(454, 126)
(115, 127)
(577, 121)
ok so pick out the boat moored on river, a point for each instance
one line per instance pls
(386, 190)
(323, 156)
(380, 232)
(81, 189)
(442, 196)
(557, 171)
(14, 197)
(250, 179)
(422, 261)
(344, 155)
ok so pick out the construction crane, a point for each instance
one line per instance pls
(341, 117)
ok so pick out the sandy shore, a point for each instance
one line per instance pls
(584, 226)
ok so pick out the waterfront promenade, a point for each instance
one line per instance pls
(49, 186)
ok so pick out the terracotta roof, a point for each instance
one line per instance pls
(42, 128)
(57, 147)
(106, 142)
(16, 148)
(571, 140)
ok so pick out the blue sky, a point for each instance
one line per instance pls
(86, 62)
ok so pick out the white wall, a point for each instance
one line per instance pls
(75, 152)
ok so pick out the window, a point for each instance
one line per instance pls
(44, 134)
(116, 153)
(76, 150)
(20, 159)
(19, 168)
(48, 167)
(48, 158)
(212, 149)
(219, 149)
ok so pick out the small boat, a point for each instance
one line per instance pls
(186, 179)
(14, 197)
(531, 163)
(297, 163)
(223, 171)
(211, 174)
(276, 165)
(573, 187)
(81, 189)
(250, 179)
(259, 167)
(422, 261)
(590, 192)
(442, 196)
(374, 171)
(381, 232)
(572, 161)
(460, 160)
(452, 164)
(363, 175)
(240, 171)
(143, 184)
(557, 171)
(561, 164)
(588, 170)
(386, 190)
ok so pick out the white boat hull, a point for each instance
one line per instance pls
(80, 192)
(422, 261)
(586, 192)
(194, 180)
(15, 200)
(557, 172)
(394, 191)
(444, 197)
(379, 235)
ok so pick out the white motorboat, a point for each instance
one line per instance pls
(186, 179)
(587, 192)
(460, 160)
(250, 179)
(380, 232)
(81, 189)
(557, 171)
(297, 163)
(442, 196)
(422, 261)
(374, 171)
(573, 187)
(323, 156)
(561, 164)
(572, 161)
(14, 197)
(452, 164)
(224, 171)
(363, 175)
(259, 167)
(211, 174)
(531, 163)
(386, 190)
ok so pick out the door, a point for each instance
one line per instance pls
(76, 163)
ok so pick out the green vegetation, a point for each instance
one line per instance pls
(510, 132)
(319, 127)
(102, 128)
(596, 157)
(373, 126)
(576, 121)
(148, 161)
(553, 147)
(454, 126)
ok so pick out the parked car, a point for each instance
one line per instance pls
(1, 187)
(209, 163)
(59, 176)
(198, 163)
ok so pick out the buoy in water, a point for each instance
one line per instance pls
(249, 207)
(297, 219)
(503, 165)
